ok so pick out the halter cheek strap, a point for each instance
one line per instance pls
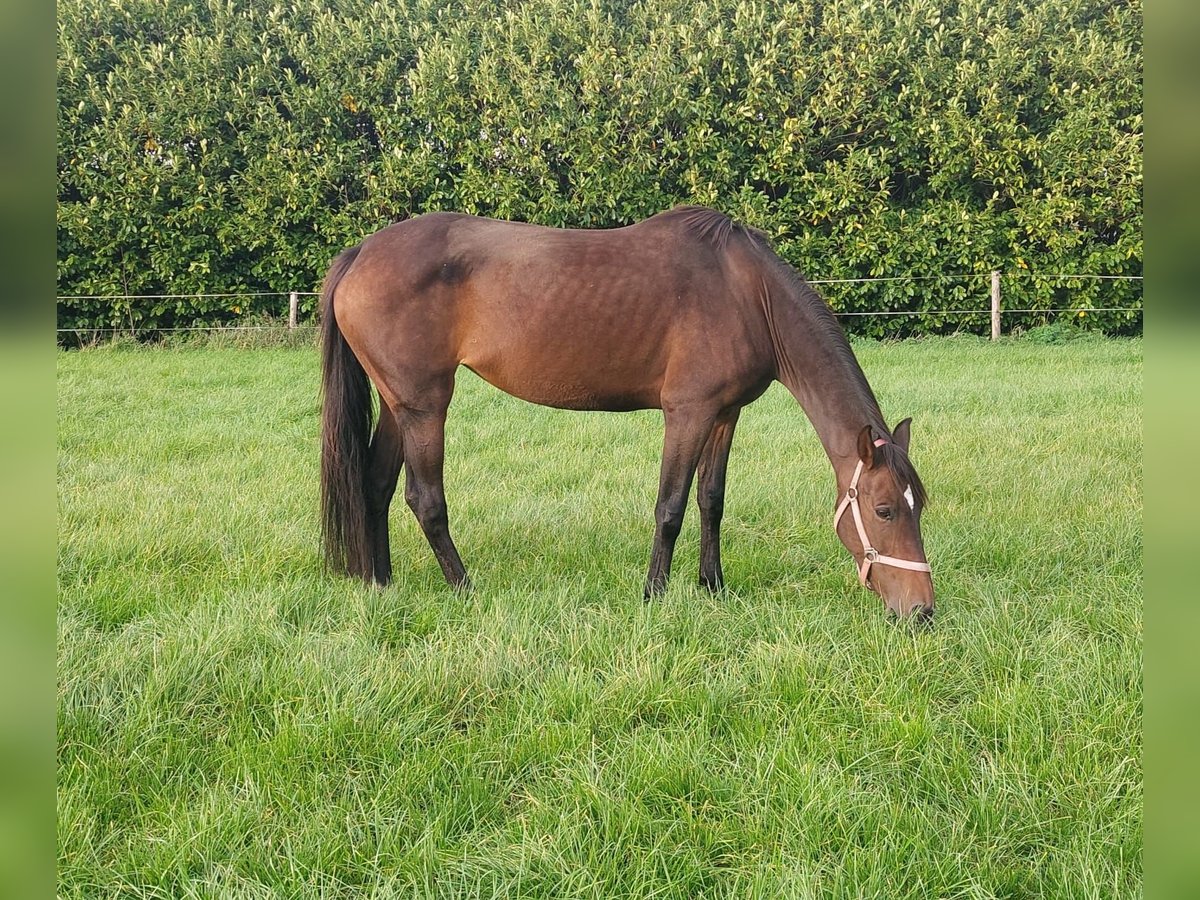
(870, 554)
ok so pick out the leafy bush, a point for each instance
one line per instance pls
(235, 145)
(1061, 332)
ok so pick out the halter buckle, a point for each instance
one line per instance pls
(871, 554)
(852, 493)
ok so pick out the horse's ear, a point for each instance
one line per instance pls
(902, 433)
(866, 446)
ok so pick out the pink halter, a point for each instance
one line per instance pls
(870, 554)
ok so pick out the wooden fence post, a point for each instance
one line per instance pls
(293, 309)
(995, 306)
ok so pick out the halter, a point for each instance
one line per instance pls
(870, 554)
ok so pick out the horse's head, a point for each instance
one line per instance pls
(879, 520)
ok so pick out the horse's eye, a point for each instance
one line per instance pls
(884, 512)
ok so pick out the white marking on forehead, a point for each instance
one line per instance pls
(909, 497)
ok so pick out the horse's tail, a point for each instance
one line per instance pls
(346, 418)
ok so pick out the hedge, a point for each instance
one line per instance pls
(211, 146)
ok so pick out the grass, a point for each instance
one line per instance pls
(234, 722)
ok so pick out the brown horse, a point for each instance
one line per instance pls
(686, 312)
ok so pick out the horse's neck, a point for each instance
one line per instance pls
(815, 363)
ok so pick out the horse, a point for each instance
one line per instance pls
(687, 312)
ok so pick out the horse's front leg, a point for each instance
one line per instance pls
(687, 430)
(710, 497)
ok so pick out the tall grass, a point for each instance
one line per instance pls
(235, 722)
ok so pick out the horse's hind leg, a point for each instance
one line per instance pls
(383, 471)
(686, 433)
(424, 436)
(710, 497)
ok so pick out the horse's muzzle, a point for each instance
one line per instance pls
(916, 612)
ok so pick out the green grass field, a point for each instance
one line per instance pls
(234, 722)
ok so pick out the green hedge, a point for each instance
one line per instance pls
(235, 145)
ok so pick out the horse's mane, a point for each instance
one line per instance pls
(712, 226)
(824, 323)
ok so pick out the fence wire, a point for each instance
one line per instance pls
(866, 280)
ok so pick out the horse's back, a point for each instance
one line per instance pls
(667, 251)
(575, 318)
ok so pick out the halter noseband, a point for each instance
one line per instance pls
(870, 554)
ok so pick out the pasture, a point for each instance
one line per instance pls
(232, 721)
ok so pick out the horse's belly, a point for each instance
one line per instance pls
(564, 392)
